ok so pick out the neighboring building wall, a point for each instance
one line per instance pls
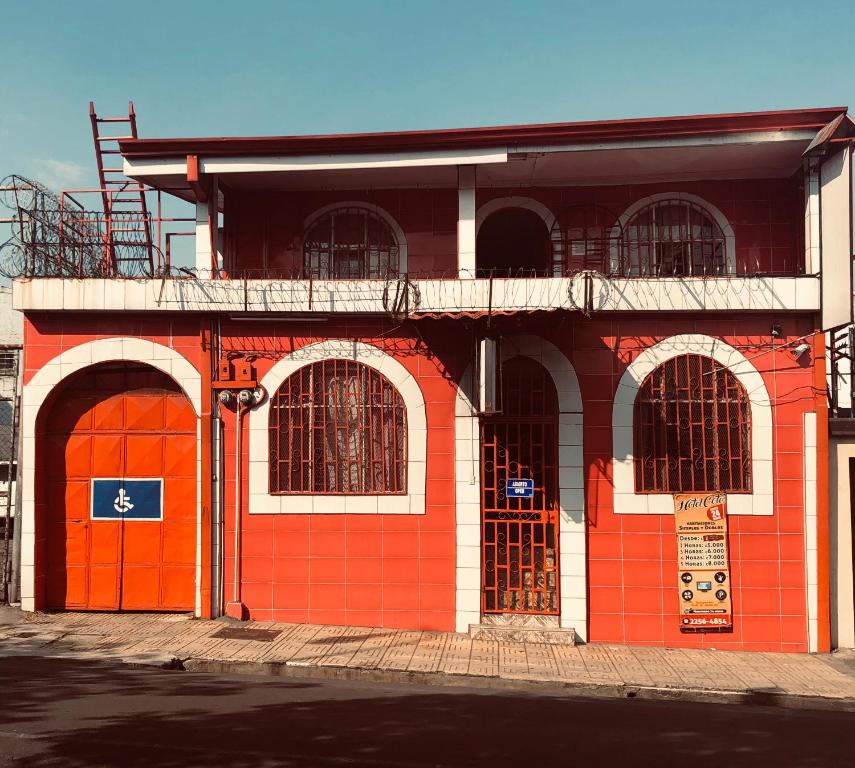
(841, 458)
(11, 339)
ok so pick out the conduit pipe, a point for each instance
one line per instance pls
(246, 399)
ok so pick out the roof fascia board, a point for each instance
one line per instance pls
(274, 163)
(754, 137)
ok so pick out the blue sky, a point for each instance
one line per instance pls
(208, 68)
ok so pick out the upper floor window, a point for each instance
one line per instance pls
(513, 241)
(692, 429)
(350, 243)
(337, 426)
(672, 237)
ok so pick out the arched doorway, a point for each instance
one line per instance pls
(513, 242)
(520, 495)
(116, 484)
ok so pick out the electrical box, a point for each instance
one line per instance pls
(243, 370)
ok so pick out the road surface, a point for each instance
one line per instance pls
(70, 713)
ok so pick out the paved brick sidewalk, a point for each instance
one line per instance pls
(159, 639)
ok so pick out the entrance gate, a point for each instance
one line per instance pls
(519, 531)
(118, 492)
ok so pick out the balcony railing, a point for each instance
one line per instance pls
(65, 236)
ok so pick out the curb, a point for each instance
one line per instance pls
(769, 698)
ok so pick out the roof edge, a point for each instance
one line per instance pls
(541, 133)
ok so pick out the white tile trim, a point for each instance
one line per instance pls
(262, 502)
(626, 500)
(47, 378)
(811, 553)
(572, 541)
(514, 201)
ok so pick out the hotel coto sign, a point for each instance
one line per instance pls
(703, 572)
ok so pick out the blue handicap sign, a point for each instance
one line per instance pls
(117, 499)
(519, 487)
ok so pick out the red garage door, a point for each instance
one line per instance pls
(113, 425)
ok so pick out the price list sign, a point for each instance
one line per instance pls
(702, 560)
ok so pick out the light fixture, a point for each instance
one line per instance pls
(800, 350)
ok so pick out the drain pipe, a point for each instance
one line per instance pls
(246, 400)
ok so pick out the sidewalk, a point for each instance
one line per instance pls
(391, 655)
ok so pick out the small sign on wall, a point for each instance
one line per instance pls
(127, 499)
(519, 487)
(703, 562)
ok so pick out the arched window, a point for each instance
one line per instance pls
(673, 237)
(337, 426)
(350, 243)
(692, 429)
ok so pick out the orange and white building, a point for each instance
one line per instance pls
(446, 379)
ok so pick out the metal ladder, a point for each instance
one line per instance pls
(127, 220)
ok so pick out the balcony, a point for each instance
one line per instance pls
(408, 297)
(670, 254)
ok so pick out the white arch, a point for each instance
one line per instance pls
(261, 501)
(376, 209)
(514, 201)
(718, 216)
(572, 544)
(626, 500)
(37, 390)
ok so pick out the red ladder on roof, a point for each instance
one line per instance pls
(127, 221)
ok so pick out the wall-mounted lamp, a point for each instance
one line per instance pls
(800, 350)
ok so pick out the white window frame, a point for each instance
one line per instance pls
(626, 501)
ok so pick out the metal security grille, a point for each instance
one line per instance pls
(692, 429)
(338, 426)
(519, 535)
(9, 432)
(672, 238)
(350, 243)
(585, 237)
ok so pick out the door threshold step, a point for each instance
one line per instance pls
(522, 634)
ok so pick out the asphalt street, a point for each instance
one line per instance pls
(65, 712)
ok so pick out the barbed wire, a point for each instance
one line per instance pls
(56, 236)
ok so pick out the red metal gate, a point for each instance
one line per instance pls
(519, 535)
(120, 422)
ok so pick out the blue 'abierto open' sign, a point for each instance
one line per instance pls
(126, 499)
(519, 487)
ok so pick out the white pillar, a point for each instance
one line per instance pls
(466, 221)
(811, 218)
(203, 241)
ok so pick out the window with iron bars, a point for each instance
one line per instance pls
(672, 238)
(350, 244)
(692, 429)
(584, 236)
(338, 426)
